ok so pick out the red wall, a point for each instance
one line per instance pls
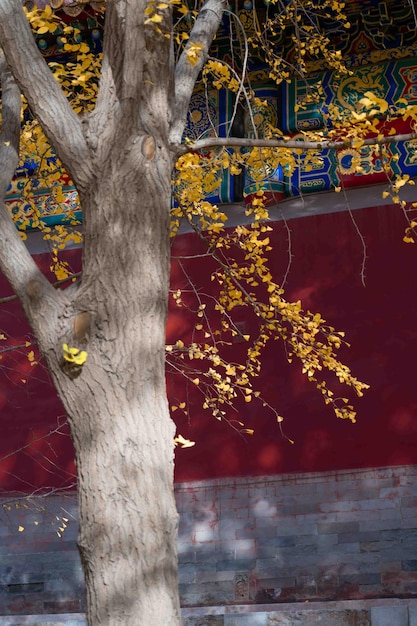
(380, 323)
(32, 456)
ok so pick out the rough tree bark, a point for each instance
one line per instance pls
(120, 158)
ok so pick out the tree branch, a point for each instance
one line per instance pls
(43, 93)
(15, 261)
(41, 303)
(291, 144)
(186, 74)
(121, 71)
(10, 131)
(56, 284)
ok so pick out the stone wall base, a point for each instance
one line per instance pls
(389, 612)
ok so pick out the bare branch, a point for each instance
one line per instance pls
(292, 144)
(186, 74)
(43, 93)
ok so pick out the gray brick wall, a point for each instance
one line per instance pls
(40, 572)
(321, 536)
(266, 540)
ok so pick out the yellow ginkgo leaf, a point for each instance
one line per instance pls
(155, 19)
(80, 358)
(68, 350)
(74, 355)
(184, 443)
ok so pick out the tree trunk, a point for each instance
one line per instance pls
(116, 402)
(118, 157)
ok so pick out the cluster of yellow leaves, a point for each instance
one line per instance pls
(198, 175)
(74, 355)
(60, 268)
(62, 523)
(262, 162)
(193, 51)
(78, 77)
(374, 117)
(243, 279)
(31, 358)
(299, 22)
(410, 231)
(219, 381)
(306, 335)
(195, 177)
(43, 20)
(59, 522)
(156, 14)
(220, 75)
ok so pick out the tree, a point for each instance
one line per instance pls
(104, 338)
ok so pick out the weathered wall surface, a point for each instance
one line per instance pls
(331, 536)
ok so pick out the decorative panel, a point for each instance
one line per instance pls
(209, 115)
(302, 103)
(263, 118)
(28, 202)
(315, 173)
(390, 80)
